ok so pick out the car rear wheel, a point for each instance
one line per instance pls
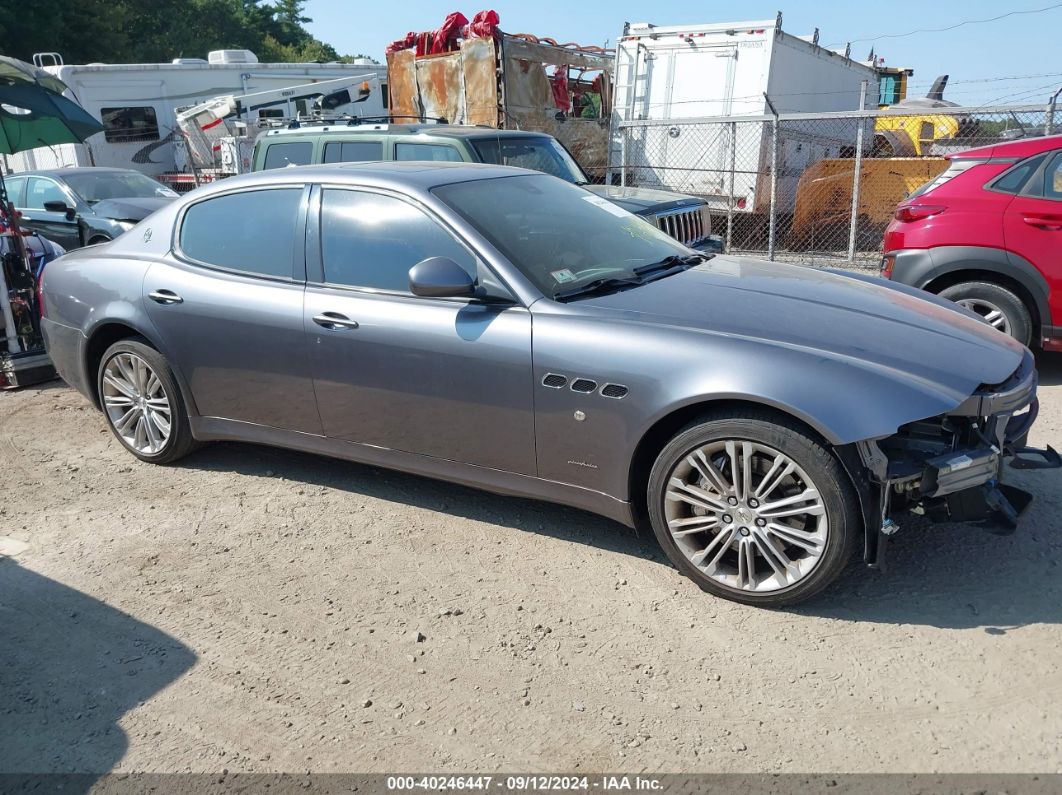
(997, 306)
(142, 404)
(753, 509)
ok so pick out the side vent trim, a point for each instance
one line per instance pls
(614, 391)
(555, 381)
(584, 385)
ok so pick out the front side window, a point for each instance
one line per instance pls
(537, 153)
(128, 125)
(434, 152)
(40, 190)
(1053, 178)
(352, 151)
(369, 240)
(560, 236)
(253, 231)
(294, 153)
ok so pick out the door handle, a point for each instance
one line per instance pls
(1048, 222)
(165, 297)
(334, 321)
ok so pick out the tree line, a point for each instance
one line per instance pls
(156, 31)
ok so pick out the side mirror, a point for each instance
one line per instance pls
(61, 207)
(440, 277)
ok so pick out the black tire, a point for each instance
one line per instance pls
(95, 241)
(180, 441)
(986, 294)
(844, 527)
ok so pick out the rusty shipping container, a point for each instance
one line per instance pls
(510, 82)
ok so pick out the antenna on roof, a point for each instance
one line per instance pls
(778, 21)
(815, 37)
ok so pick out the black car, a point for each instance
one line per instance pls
(83, 206)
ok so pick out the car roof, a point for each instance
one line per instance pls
(65, 172)
(1023, 147)
(370, 128)
(419, 175)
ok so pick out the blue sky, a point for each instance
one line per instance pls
(976, 56)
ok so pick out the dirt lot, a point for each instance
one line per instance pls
(257, 610)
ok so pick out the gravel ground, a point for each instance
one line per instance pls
(258, 610)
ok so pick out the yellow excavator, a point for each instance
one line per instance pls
(900, 160)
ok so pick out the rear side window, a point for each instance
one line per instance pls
(253, 231)
(370, 240)
(427, 152)
(352, 151)
(1014, 179)
(294, 153)
(14, 189)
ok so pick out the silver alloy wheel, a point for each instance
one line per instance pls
(136, 403)
(746, 515)
(992, 314)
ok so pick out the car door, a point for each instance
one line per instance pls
(1032, 226)
(228, 307)
(448, 378)
(55, 226)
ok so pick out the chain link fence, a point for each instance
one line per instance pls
(813, 188)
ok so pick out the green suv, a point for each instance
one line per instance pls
(683, 217)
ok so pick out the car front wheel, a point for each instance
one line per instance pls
(753, 509)
(142, 403)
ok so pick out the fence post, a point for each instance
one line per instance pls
(853, 222)
(624, 132)
(730, 192)
(774, 179)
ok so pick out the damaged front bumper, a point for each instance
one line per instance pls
(950, 468)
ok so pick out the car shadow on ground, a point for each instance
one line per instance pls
(939, 575)
(70, 668)
(556, 521)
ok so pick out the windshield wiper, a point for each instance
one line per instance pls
(598, 286)
(667, 263)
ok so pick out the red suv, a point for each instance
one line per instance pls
(987, 234)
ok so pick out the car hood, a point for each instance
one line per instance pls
(129, 209)
(861, 320)
(643, 201)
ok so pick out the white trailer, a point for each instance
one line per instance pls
(136, 103)
(706, 79)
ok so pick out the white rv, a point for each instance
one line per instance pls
(723, 71)
(136, 103)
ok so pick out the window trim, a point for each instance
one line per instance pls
(315, 249)
(298, 267)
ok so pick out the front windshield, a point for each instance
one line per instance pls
(560, 236)
(100, 185)
(535, 152)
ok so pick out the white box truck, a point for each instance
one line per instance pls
(694, 84)
(137, 102)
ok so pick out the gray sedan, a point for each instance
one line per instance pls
(503, 329)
